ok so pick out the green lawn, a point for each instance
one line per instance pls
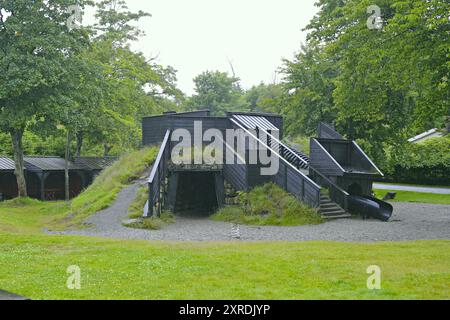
(407, 196)
(35, 266)
(30, 216)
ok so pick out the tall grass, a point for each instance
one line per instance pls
(268, 205)
(103, 192)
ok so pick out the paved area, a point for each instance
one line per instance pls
(411, 221)
(391, 187)
(6, 296)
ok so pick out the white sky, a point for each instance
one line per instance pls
(198, 35)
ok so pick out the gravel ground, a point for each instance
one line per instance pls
(410, 222)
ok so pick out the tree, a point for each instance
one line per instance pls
(217, 92)
(132, 86)
(35, 47)
(379, 85)
(264, 98)
(309, 84)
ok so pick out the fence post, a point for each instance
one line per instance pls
(150, 200)
(159, 191)
(285, 177)
(303, 190)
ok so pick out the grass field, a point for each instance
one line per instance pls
(407, 196)
(35, 266)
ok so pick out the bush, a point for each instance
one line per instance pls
(20, 202)
(423, 163)
(136, 209)
(152, 223)
(268, 205)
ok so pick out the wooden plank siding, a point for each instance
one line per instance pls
(242, 177)
(322, 161)
(293, 182)
(327, 131)
(154, 129)
(237, 176)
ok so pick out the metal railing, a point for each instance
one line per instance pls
(157, 180)
(337, 194)
(291, 170)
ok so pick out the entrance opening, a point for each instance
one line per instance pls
(355, 190)
(8, 186)
(196, 194)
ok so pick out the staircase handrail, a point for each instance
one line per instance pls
(276, 153)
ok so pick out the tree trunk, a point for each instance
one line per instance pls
(80, 139)
(108, 149)
(66, 169)
(16, 137)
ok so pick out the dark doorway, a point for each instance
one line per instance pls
(196, 194)
(8, 186)
(76, 184)
(355, 189)
(33, 185)
(54, 186)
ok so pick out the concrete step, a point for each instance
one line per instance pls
(327, 205)
(339, 216)
(331, 209)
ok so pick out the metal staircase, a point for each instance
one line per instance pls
(292, 155)
(328, 208)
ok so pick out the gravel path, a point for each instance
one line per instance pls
(410, 222)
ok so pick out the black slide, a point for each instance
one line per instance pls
(370, 207)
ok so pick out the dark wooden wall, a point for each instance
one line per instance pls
(293, 182)
(359, 161)
(237, 176)
(327, 131)
(154, 128)
(240, 176)
(8, 185)
(322, 162)
(346, 153)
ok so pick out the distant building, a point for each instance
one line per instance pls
(45, 176)
(433, 133)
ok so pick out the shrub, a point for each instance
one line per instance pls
(152, 223)
(424, 163)
(136, 208)
(268, 205)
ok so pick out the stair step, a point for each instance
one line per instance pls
(341, 216)
(327, 204)
(331, 210)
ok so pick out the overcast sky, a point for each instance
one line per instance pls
(198, 35)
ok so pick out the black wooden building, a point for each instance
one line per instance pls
(45, 176)
(336, 169)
